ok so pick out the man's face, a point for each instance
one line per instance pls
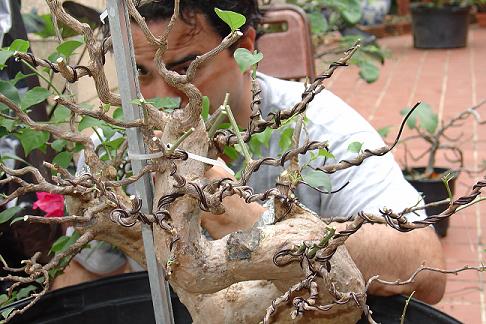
(213, 79)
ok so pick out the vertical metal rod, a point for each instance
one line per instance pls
(129, 90)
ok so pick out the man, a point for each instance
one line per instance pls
(376, 184)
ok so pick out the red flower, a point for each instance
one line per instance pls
(51, 204)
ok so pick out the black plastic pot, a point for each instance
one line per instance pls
(120, 299)
(126, 299)
(440, 27)
(434, 190)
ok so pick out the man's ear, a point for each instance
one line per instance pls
(248, 39)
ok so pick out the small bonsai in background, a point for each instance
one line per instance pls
(425, 122)
(436, 183)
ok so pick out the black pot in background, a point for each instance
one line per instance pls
(440, 27)
(125, 299)
(434, 190)
(122, 299)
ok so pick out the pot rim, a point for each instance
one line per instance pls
(439, 170)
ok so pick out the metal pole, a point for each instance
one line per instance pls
(129, 90)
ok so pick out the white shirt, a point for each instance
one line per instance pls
(377, 183)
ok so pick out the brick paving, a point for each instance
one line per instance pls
(451, 81)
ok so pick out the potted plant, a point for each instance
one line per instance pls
(481, 13)
(436, 183)
(98, 206)
(440, 23)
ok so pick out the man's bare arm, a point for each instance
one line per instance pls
(381, 250)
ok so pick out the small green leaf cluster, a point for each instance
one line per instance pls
(60, 245)
(367, 58)
(422, 118)
(340, 12)
(329, 15)
(17, 294)
(29, 138)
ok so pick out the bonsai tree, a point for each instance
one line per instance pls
(262, 268)
(425, 123)
(436, 183)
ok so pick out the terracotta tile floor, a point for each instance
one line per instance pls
(451, 81)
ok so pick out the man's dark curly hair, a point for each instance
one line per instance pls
(163, 9)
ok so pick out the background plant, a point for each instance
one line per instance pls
(331, 15)
(425, 122)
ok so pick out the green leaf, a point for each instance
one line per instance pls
(326, 154)
(4, 56)
(61, 115)
(7, 312)
(231, 152)
(88, 122)
(20, 76)
(115, 144)
(205, 108)
(64, 242)
(425, 117)
(264, 137)
(63, 159)
(286, 139)
(255, 148)
(384, 131)
(161, 103)
(9, 124)
(58, 145)
(7, 214)
(19, 45)
(48, 27)
(259, 140)
(32, 139)
(68, 47)
(9, 91)
(52, 58)
(78, 147)
(350, 10)
(3, 299)
(34, 96)
(355, 147)
(317, 179)
(8, 156)
(245, 59)
(108, 131)
(368, 71)
(118, 113)
(25, 292)
(59, 244)
(233, 19)
(318, 22)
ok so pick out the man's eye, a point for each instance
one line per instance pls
(141, 70)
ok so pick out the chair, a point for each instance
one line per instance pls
(286, 43)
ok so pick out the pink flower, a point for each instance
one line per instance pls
(51, 204)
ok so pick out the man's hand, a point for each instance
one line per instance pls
(238, 214)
